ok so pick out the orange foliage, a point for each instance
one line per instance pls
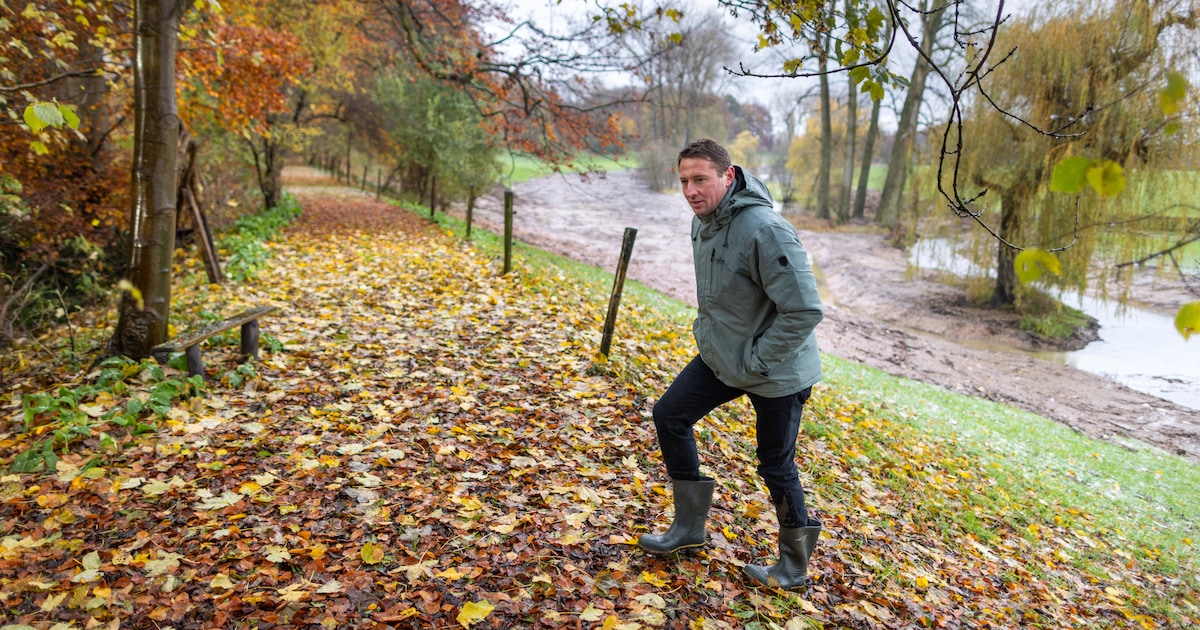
(239, 76)
(58, 52)
(519, 101)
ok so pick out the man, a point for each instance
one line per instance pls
(758, 306)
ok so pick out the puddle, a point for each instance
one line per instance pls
(1138, 348)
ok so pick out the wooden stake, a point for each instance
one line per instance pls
(470, 208)
(207, 249)
(614, 300)
(508, 230)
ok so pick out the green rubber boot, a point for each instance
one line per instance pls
(795, 547)
(692, 500)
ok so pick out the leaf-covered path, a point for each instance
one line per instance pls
(436, 446)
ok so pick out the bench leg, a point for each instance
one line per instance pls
(250, 339)
(194, 362)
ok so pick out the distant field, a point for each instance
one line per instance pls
(517, 167)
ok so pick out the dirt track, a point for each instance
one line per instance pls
(874, 315)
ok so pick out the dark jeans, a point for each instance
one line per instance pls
(697, 391)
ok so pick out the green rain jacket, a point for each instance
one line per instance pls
(758, 300)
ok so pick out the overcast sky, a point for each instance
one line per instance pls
(766, 92)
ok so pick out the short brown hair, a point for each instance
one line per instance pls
(707, 150)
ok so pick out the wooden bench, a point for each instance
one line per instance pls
(189, 342)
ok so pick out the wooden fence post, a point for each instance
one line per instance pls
(508, 230)
(364, 178)
(614, 300)
(470, 208)
(432, 196)
(378, 183)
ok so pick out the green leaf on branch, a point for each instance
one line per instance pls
(1070, 175)
(1032, 263)
(1171, 97)
(1107, 178)
(875, 20)
(875, 89)
(48, 114)
(69, 115)
(1187, 320)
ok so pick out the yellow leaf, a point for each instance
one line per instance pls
(1187, 320)
(451, 574)
(1031, 263)
(652, 579)
(371, 553)
(474, 612)
(591, 613)
(922, 582)
(221, 581)
(277, 553)
(92, 409)
(92, 561)
(52, 602)
(729, 535)
(292, 593)
(1107, 178)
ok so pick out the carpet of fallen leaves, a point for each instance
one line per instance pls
(438, 446)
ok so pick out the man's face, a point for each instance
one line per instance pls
(703, 185)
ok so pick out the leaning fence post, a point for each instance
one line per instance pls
(614, 300)
(508, 230)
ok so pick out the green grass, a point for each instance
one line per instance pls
(517, 167)
(1149, 495)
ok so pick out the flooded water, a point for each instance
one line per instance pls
(1138, 348)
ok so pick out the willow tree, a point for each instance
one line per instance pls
(1079, 81)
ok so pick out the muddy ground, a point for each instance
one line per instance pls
(874, 314)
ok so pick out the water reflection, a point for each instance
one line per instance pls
(1138, 348)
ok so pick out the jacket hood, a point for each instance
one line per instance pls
(747, 190)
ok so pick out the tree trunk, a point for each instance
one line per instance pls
(860, 198)
(152, 200)
(268, 167)
(848, 169)
(906, 128)
(1006, 256)
(826, 138)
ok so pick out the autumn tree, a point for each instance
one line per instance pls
(239, 75)
(744, 150)
(268, 73)
(145, 309)
(529, 84)
(1088, 92)
(805, 149)
(62, 184)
